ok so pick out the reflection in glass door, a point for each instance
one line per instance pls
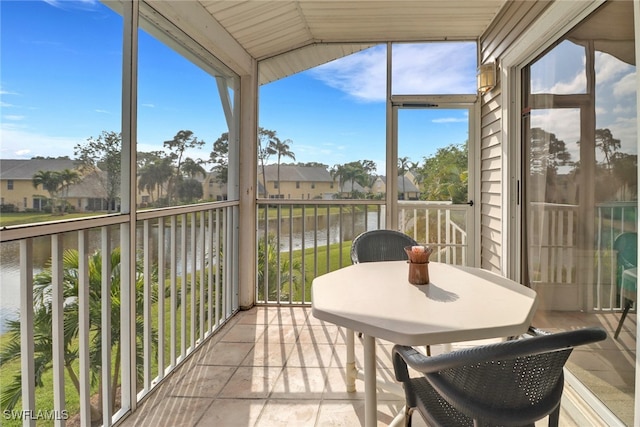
(580, 199)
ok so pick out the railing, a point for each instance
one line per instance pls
(553, 250)
(298, 241)
(74, 291)
(441, 225)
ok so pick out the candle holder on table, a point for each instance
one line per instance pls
(418, 263)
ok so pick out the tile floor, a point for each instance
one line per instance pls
(269, 367)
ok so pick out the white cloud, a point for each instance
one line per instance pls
(148, 105)
(102, 111)
(360, 75)
(625, 129)
(18, 143)
(13, 117)
(577, 84)
(563, 122)
(430, 68)
(626, 86)
(609, 68)
(450, 120)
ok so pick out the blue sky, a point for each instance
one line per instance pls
(61, 73)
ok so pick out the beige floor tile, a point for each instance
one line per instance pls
(176, 411)
(291, 315)
(306, 383)
(351, 413)
(227, 353)
(318, 334)
(311, 355)
(232, 413)
(281, 333)
(243, 333)
(256, 316)
(251, 382)
(265, 353)
(203, 381)
(288, 413)
(335, 388)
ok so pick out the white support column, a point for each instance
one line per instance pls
(248, 164)
(128, 192)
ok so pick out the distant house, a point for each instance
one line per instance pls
(296, 182)
(407, 189)
(88, 194)
(16, 181)
(213, 188)
(348, 188)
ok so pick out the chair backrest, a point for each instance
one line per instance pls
(510, 383)
(380, 245)
(626, 245)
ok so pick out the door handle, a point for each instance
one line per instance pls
(470, 203)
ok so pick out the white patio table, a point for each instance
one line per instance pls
(459, 304)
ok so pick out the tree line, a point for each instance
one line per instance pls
(170, 176)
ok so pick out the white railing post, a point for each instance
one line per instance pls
(84, 297)
(105, 327)
(26, 330)
(57, 325)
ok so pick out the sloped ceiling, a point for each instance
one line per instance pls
(291, 36)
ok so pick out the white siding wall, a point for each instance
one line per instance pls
(511, 22)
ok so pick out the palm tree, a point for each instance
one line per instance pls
(403, 167)
(607, 144)
(51, 182)
(266, 138)
(67, 178)
(276, 278)
(181, 142)
(193, 168)
(43, 349)
(154, 174)
(281, 149)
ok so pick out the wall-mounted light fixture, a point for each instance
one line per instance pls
(486, 77)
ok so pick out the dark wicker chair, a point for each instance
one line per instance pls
(511, 383)
(626, 247)
(380, 245)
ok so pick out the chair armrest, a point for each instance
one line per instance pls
(502, 350)
(403, 355)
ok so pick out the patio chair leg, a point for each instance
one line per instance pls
(407, 416)
(627, 306)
